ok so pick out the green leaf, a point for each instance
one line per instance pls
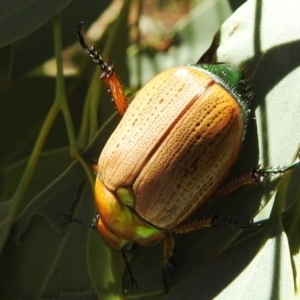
(256, 268)
(26, 26)
(15, 100)
(18, 19)
(106, 268)
(44, 258)
(5, 66)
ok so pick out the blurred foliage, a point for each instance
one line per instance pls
(53, 108)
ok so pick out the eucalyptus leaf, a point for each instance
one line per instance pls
(19, 18)
(44, 257)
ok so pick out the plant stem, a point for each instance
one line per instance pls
(60, 103)
(61, 100)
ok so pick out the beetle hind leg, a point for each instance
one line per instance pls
(251, 177)
(196, 225)
(208, 222)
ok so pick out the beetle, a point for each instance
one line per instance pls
(177, 142)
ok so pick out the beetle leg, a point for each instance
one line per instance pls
(251, 177)
(168, 258)
(131, 283)
(168, 253)
(108, 76)
(68, 219)
(235, 223)
(208, 222)
(280, 170)
(245, 178)
(196, 225)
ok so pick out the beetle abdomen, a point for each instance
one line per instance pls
(174, 146)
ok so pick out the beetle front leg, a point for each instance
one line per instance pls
(108, 76)
(251, 177)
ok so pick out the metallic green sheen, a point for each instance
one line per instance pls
(146, 232)
(126, 196)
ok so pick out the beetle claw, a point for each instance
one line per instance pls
(274, 171)
(131, 283)
(170, 265)
(168, 269)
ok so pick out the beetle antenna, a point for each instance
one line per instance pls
(68, 219)
(131, 283)
(97, 58)
(108, 76)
